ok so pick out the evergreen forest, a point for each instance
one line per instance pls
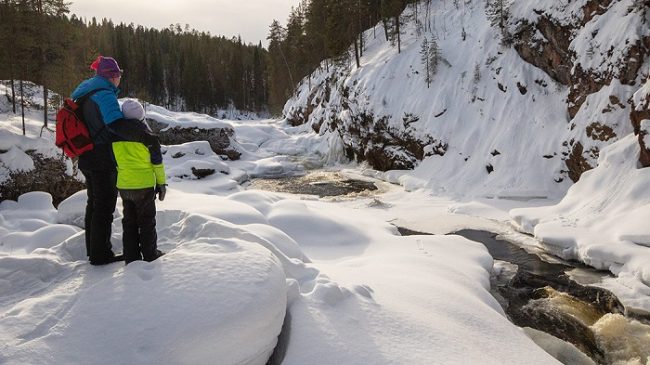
(184, 69)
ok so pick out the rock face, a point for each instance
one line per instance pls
(372, 139)
(220, 139)
(49, 175)
(580, 55)
(644, 136)
(553, 53)
(556, 53)
(384, 141)
(640, 117)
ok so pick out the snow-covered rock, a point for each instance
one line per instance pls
(600, 222)
(204, 300)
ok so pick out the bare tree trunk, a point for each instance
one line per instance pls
(288, 68)
(399, 38)
(385, 28)
(356, 53)
(361, 44)
(22, 105)
(45, 96)
(13, 94)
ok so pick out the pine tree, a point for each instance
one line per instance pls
(392, 9)
(430, 56)
(498, 13)
(51, 39)
(435, 55)
(426, 60)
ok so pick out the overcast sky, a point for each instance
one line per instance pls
(248, 18)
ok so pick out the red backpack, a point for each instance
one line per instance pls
(72, 134)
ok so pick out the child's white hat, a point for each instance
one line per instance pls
(132, 109)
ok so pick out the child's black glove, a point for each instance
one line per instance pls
(161, 190)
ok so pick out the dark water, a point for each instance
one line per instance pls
(323, 184)
(542, 295)
(505, 251)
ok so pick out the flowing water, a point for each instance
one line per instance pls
(321, 183)
(547, 294)
(560, 299)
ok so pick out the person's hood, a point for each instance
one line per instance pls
(93, 84)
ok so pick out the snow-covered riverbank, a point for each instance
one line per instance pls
(355, 291)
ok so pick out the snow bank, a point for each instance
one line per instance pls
(204, 300)
(183, 119)
(602, 221)
(234, 266)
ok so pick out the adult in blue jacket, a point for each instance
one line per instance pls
(98, 96)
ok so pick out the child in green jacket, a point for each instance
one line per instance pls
(140, 176)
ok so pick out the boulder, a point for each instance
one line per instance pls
(220, 139)
(48, 175)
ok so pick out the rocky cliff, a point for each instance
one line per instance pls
(548, 90)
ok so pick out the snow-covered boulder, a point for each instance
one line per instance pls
(204, 302)
(178, 128)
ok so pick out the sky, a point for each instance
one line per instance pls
(248, 18)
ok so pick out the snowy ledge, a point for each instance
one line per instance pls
(601, 222)
(213, 292)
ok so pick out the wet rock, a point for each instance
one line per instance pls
(529, 305)
(201, 173)
(601, 299)
(315, 184)
(220, 139)
(558, 324)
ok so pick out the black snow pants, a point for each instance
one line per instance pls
(139, 225)
(102, 197)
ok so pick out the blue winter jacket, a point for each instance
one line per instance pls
(105, 100)
(99, 111)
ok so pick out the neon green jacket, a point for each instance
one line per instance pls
(139, 166)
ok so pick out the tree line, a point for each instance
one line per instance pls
(177, 67)
(319, 30)
(184, 69)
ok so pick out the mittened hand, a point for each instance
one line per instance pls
(161, 190)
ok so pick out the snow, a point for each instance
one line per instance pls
(348, 288)
(601, 221)
(478, 118)
(237, 262)
(355, 292)
(645, 129)
(203, 299)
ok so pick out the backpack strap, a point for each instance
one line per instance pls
(81, 100)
